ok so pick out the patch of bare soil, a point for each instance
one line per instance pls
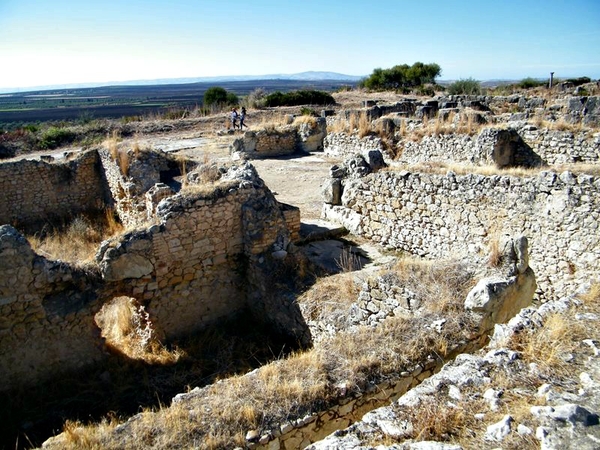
(297, 181)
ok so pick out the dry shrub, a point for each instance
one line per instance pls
(364, 125)
(439, 286)
(310, 120)
(78, 242)
(494, 257)
(349, 261)
(338, 126)
(329, 297)
(548, 345)
(127, 328)
(123, 161)
(592, 295)
(562, 125)
(112, 143)
(402, 130)
(353, 121)
(79, 436)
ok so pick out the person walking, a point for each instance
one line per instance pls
(234, 118)
(242, 117)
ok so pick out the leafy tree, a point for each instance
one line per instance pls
(219, 96)
(402, 77)
(466, 86)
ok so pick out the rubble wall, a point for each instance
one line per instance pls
(437, 216)
(552, 147)
(193, 267)
(34, 191)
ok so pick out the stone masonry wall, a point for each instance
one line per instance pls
(47, 313)
(437, 216)
(34, 191)
(343, 144)
(552, 147)
(190, 269)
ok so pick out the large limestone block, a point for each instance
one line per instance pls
(499, 299)
(126, 266)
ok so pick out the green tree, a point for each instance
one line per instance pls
(219, 96)
(402, 77)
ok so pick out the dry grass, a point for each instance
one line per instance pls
(438, 286)
(494, 256)
(290, 388)
(78, 242)
(547, 348)
(118, 154)
(310, 120)
(442, 168)
(126, 328)
(329, 297)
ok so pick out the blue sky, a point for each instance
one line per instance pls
(44, 42)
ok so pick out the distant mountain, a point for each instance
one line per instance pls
(303, 76)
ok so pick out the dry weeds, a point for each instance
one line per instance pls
(78, 242)
(442, 168)
(329, 297)
(289, 388)
(127, 329)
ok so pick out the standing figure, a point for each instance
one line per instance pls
(234, 118)
(242, 117)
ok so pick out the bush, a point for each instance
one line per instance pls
(528, 83)
(467, 86)
(402, 78)
(296, 98)
(255, 99)
(578, 81)
(305, 111)
(54, 137)
(219, 96)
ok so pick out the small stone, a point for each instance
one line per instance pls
(252, 435)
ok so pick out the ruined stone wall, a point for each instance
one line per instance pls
(34, 191)
(344, 144)
(562, 147)
(438, 216)
(551, 146)
(47, 313)
(192, 268)
(187, 270)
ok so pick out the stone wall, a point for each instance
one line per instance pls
(282, 141)
(344, 144)
(128, 190)
(37, 191)
(438, 216)
(206, 258)
(47, 314)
